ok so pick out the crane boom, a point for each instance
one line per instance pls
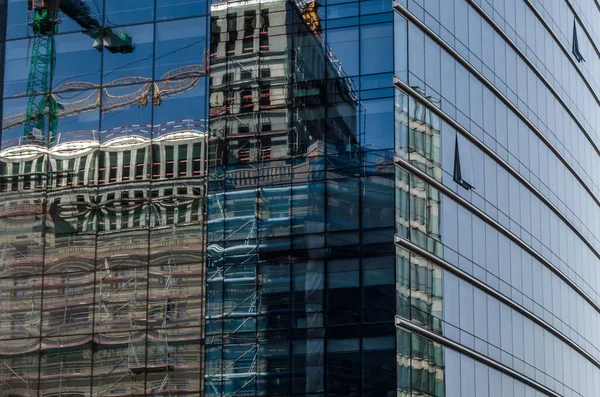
(41, 102)
(78, 11)
(110, 39)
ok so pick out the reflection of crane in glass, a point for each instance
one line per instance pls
(45, 20)
(174, 82)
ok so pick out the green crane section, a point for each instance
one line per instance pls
(42, 105)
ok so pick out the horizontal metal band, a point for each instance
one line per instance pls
(481, 214)
(492, 292)
(467, 134)
(413, 328)
(509, 41)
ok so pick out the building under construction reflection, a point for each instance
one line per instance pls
(101, 263)
(296, 251)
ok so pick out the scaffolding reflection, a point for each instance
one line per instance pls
(284, 207)
(101, 263)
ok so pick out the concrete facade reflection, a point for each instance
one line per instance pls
(102, 263)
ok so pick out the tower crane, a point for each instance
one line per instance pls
(44, 23)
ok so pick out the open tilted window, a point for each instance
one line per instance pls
(463, 166)
(576, 52)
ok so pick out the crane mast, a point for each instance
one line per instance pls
(41, 103)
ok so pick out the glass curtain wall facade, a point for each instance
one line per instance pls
(496, 112)
(273, 197)
(152, 151)
(102, 214)
(300, 253)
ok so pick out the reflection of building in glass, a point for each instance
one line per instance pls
(292, 266)
(418, 205)
(102, 263)
(268, 75)
(420, 366)
(418, 281)
(102, 188)
(107, 169)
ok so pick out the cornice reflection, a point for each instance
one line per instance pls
(101, 270)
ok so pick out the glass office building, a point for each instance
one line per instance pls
(282, 197)
(496, 126)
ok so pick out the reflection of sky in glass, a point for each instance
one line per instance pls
(16, 67)
(344, 43)
(186, 105)
(83, 121)
(79, 66)
(12, 107)
(179, 43)
(76, 59)
(167, 9)
(119, 12)
(136, 63)
(18, 17)
(182, 43)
